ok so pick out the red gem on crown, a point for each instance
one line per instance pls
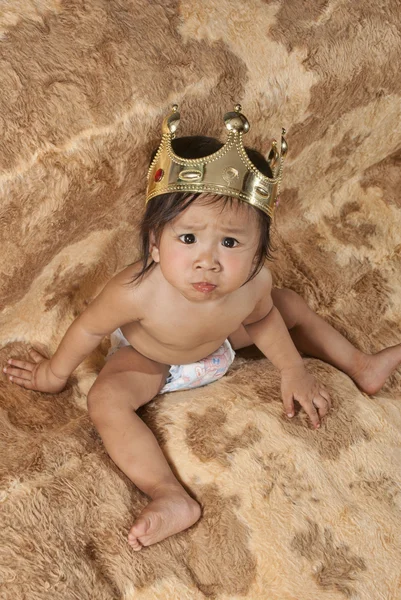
(159, 175)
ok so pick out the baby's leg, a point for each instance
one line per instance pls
(126, 382)
(313, 336)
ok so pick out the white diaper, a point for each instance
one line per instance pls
(192, 375)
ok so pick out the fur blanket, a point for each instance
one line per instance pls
(288, 512)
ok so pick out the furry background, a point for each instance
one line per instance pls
(288, 513)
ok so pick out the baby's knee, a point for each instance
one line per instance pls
(96, 402)
(102, 400)
(285, 296)
(290, 305)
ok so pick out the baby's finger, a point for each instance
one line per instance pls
(321, 404)
(312, 413)
(288, 403)
(21, 364)
(18, 373)
(37, 357)
(22, 382)
(323, 392)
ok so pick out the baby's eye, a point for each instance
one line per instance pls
(230, 242)
(187, 238)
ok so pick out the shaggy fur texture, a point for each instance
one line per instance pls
(288, 513)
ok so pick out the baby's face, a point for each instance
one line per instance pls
(208, 251)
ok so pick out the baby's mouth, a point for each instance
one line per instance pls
(204, 286)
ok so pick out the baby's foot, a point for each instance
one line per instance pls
(170, 512)
(374, 369)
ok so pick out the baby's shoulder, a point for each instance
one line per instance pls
(127, 284)
(128, 274)
(260, 294)
(263, 282)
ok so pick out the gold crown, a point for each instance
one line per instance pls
(229, 171)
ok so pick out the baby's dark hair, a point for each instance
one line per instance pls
(165, 207)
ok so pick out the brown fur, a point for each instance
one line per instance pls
(287, 512)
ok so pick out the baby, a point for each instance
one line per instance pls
(201, 290)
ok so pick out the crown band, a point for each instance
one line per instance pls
(228, 172)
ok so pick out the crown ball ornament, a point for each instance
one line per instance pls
(273, 155)
(172, 121)
(236, 121)
(228, 172)
(284, 145)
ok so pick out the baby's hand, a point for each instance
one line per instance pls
(34, 376)
(298, 384)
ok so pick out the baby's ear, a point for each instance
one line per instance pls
(154, 250)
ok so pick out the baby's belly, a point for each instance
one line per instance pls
(169, 354)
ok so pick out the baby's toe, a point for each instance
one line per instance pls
(134, 543)
(139, 529)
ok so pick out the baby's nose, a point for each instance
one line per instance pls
(207, 260)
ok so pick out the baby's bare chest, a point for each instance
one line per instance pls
(173, 334)
(190, 328)
(170, 339)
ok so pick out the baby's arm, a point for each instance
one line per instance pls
(113, 307)
(269, 333)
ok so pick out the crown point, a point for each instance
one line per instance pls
(172, 121)
(238, 108)
(273, 154)
(284, 145)
(236, 121)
